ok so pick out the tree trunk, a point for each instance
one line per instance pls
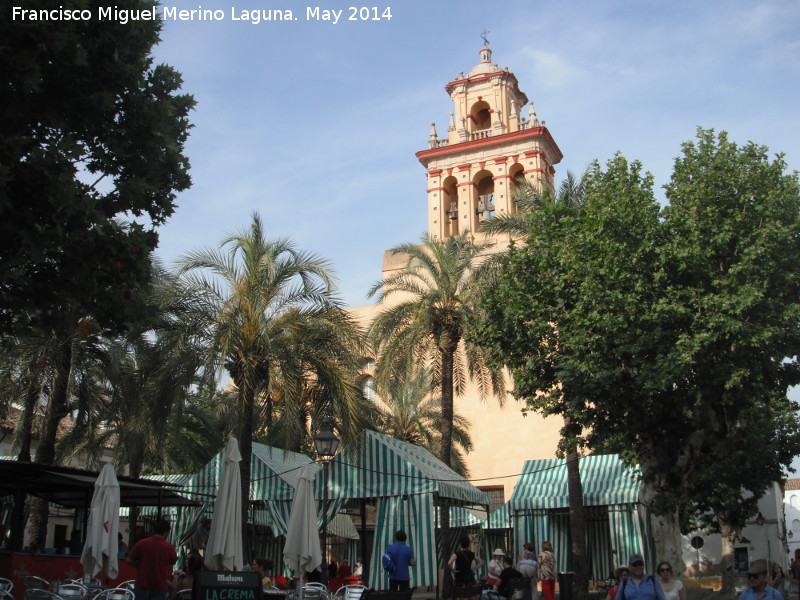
(447, 433)
(666, 532)
(577, 521)
(247, 404)
(447, 406)
(57, 409)
(728, 535)
(26, 419)
(38, 513)
(58, 406)
(135, 462)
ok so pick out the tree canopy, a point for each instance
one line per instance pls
(667, 330)
(91, 132)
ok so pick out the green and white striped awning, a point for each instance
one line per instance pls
(616, 524)
(605, 478)
(382, 466)
(409, 484)
(500, 518)
(273, 474)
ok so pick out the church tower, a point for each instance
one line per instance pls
(490, 149)
(494, 142)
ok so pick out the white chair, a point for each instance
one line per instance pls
(34, 582)
(351, 591)
(40, 594)
(4, 595)
(6, 585)
(73, 591)
(127, 585)
(116, 594)
(315, 591)
(185, 594)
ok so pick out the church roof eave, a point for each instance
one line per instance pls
(424, 156)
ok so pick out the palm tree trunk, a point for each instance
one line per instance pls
(26, 419)
(58, 406)
(577, 520)
(247, 403)
(135, 462)
(447, 406)
(57, 409)
(447, 433)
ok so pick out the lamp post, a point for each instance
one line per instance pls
(326, 444)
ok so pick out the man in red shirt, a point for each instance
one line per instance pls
(154, 557)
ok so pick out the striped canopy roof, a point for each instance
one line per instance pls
(500, 518)
(273, 473)
(605, 479)
(381, 466)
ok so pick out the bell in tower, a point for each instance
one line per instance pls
(489, 150)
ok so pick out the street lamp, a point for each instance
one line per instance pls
(326, 444)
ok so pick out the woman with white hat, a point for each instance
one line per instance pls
(495, 567)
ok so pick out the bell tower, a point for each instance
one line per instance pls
(490, 148)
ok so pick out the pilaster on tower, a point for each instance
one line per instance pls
(491, 147)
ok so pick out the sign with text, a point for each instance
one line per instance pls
(227, 585)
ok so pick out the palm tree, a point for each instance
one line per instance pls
(436, 293)
(411, 414)
(569, 200)
(271, 318)
(529, 197)
(49, 374)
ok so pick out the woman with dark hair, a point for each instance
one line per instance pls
(263, 566)
(184, 580)
(460, 564)
(779, 581)
(673, 588)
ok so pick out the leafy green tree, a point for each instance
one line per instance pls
(568, 201)
(270, 319)
(412, 414)
(660, 329)
(752, 457)
(435, 293)
(90, 131)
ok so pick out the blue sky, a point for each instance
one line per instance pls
(315, 125)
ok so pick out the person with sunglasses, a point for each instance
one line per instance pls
(639, 586)
(757, 577)
(673, 588)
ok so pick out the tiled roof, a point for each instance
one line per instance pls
(792, 484)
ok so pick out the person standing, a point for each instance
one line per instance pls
(673, 588)
(495, 568)
(639, 586)
(620, 575)
(529, 568)
(460, 564)
(758, 590)
(153, 557)
(547, 571)
(402, 557)
(779, 580)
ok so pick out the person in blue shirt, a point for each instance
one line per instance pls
(403, 557)
(759, 590)
(639, 586)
